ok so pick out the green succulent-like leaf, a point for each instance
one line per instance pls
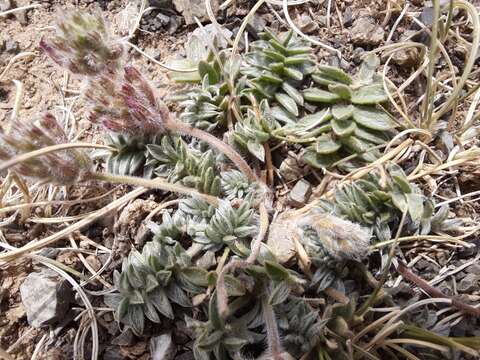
(342, 111)
(335, 73)
(327, 145)
(360, 146)
(341, 90)
(150, 281)
(369, 95)
(178, 162)
(343, 128)
(236, 185)
(372, 118)
(205, 69)
(287, 102)
(293, 93)
(279, 293)
(320, 96)
(276, 272)
(228, 227)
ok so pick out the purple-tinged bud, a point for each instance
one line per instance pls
(83, 46)
(126, 103)
(62, 167)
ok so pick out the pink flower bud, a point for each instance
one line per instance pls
(83, 46)
(61, 167)
(126, 103)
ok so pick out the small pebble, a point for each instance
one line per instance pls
(12, 47)
(468, 283)
(300, 193)
(46, 297)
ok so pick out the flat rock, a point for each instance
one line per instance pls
(306, 23)
(300, 193)
(12, 47)
(5, 5)
(468, 283)
(46, 297)
(194, 8)
(162, 347)
(366, 31)
(280, 240)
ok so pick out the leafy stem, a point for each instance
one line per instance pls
(221, 146)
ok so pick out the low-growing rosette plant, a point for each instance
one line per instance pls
(206, 265)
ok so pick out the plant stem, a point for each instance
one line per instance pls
(434, 292)
(158, 183)
(428, 101)
(30, 155)
(221, 146)
(222, 297)
(472, 11)
(273, 336)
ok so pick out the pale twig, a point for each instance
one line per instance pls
(136, 48)
(388, 13)
(218, 27)
(222, 297)
(431, 238)
(18, 100)
(21, 8)
(87, 264)
(470, 194)
(430, 290)
(329, 7)
(15, 254)
(416, 342)
(469, 118)
(12, 61)
(294, 27)
(244, 24)
(57, 202)
(452, 98)
(397, 22)
(27, 156)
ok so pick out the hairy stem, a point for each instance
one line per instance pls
(157, 183)
(33, 154)
(273, 337)
(221, 146)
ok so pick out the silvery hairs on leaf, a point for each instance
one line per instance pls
(60, 167)
(83, 45)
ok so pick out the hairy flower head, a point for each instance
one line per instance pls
(83, 45)
(60, 167)
(124, 102)
(322, 235)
